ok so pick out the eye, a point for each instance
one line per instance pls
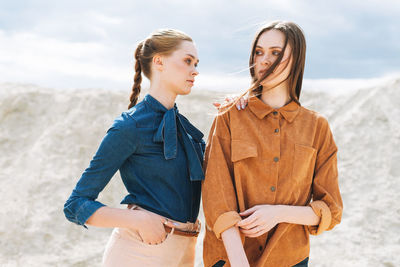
(188, 61)
(258, 52)
(276, 52)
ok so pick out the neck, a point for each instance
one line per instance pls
(276, 97)
(162, 94)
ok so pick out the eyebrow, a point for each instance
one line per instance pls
(270, 47)
(190, 55)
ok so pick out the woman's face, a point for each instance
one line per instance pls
(269, 47)
(179, 68)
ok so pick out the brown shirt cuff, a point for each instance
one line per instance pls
(321, 210)
(225, 221)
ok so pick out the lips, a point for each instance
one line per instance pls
(262, 71)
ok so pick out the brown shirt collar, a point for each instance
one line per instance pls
(260, 109)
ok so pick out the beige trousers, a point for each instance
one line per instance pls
(125, 248)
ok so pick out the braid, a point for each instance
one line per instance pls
(137, 79)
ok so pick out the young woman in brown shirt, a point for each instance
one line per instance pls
(271, 169)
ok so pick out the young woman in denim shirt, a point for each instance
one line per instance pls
(159, 154)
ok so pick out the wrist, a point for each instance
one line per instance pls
(283, 213)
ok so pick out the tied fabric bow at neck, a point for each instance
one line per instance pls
(172, 124)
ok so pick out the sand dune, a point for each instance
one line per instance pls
(48, 136)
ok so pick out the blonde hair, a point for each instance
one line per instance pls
(161, 42)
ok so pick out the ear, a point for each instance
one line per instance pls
(158, 62)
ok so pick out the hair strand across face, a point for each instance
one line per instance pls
(295, 38)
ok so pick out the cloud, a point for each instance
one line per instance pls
(92, 42)
(30, 58)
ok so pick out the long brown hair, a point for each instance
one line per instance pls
(160, 42)
(294, 36)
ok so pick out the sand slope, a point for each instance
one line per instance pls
(48, 136)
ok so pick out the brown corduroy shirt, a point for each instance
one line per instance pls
(262, 155)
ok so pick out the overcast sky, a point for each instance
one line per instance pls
(90, 43)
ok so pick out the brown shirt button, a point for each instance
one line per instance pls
(276, 159)
(277, 130)
(260, 248)
(273, 188)
(275, 112)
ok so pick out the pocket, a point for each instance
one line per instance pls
(133, 235)
(304, 162)
(242, 149)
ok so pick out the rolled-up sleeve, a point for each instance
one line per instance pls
(219, 196)
(117, 145)
(327, 202)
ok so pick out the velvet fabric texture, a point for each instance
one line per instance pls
(262, 155)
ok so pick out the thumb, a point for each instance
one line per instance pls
(248, 211)
(171, 224)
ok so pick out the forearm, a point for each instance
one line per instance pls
(234, 248)
(298, 215)
(112, 217)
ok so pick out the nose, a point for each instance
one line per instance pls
(266, 60)
(195, 72)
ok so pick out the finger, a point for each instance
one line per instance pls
(170, 224)
(238, 106)
(252, 231)
(255, 223)
(265, 229)
(243, 223)
(251, 225)
(242, 102)
(216, 104)
(248, 211)
(260, 233)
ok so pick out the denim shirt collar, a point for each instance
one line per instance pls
(167, 133)
(156, 106)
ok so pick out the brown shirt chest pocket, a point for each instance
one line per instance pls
(303, 163)
(241, 149)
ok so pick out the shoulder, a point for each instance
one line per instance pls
(222, 122)
(316, 117)
(227, 112)
(127, 122)
(319, 124)
(138, 116)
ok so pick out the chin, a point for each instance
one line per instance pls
(185, 91)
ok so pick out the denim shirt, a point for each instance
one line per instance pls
(159, 154)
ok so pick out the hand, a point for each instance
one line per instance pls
(241, 104)
(261, 219)
(150, 227)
